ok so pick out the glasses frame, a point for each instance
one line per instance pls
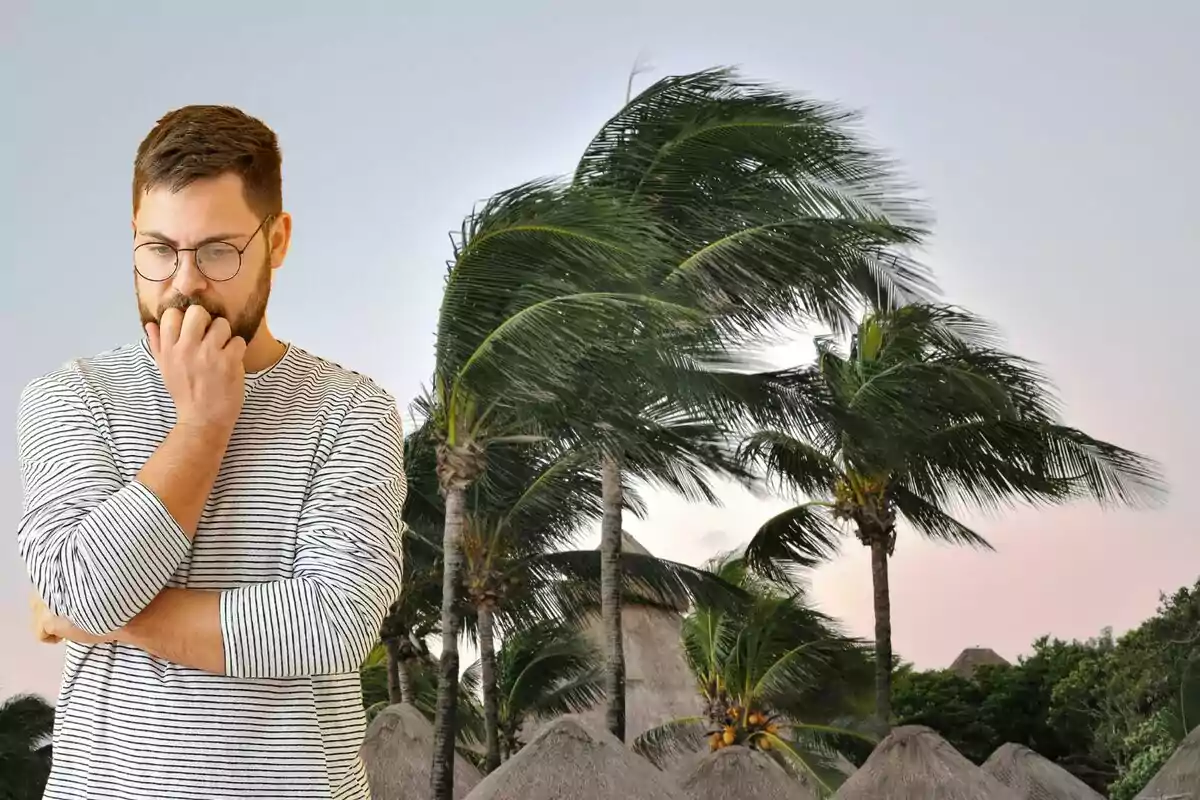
(196, 255)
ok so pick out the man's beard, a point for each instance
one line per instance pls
(245, 325)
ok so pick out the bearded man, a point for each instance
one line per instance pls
(211, 515)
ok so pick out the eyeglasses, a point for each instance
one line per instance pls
(217, 261)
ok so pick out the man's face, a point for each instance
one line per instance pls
(204, 211)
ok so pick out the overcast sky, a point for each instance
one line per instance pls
(1056, 142)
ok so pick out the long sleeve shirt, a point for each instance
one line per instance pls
(301, 535)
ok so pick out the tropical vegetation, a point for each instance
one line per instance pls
(595, 336)
(917, 414)
(773, 674)
(1110, 709)
(26, 722)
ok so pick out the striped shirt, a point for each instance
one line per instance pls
(301, 533)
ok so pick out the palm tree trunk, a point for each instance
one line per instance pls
(445, 727)
(408, 694)
(612, 497)
(393, 670)
(491, 706)
(883, 633)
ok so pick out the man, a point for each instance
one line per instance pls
(211, 515)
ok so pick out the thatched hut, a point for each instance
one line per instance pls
(568, 758)
(973, 658)
(1179, 778)
(1035, 778)
(397, 751)
(914, 763)
(735, 773)
(659, 686)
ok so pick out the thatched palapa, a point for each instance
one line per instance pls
(973, 658)
(570, 759)
(398, 750)
(659, 686)
(1179, 778)
(1033, 777)
(914, 763)
(736, 773)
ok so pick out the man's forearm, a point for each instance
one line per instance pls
(183, 469)
(182, 626)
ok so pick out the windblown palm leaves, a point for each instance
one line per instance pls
(541, 277)
(775, 675)
(772, 212)
(423, 679)
(922, 415)
(543, 671)
(532, 502)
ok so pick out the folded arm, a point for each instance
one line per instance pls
(325, 618)
(97, 547)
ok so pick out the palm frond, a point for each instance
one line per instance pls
(677, 737)
(810, 756)
(792, 463)
(545, 669)
(934, 522)
(801, 536)
(648, 580)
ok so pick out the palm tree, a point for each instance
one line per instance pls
(542, 671)
(422, 683)
(26, 724)
(775, 675)
(519, 515)
(773, 212)
(414, 616)
(920, 415)
(542, 278)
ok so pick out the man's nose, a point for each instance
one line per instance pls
(188, 279)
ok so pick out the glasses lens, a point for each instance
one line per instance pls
(219, 261)
(154, 261)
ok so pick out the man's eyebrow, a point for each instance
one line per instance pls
(220, 237)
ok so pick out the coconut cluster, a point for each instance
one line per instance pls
(741, 726)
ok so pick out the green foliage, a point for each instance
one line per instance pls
(373, 679)
(542, 671)
(1110, 711)
(950, 705)
(26, 723)
(775, 675)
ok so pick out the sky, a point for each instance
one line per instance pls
(1054, 141)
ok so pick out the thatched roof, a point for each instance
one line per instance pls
(1179, 778)
(973, 658)
(570, 759)
(914, 763)
(1034, 777)
(659, 687)
(397, 752)
(736, 773)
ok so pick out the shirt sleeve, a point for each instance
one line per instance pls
(98, 548)
(326, 617)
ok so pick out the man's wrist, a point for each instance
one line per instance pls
(205, 430)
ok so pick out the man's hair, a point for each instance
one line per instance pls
(197, 142)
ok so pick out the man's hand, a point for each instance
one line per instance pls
(202, 367)
(52, 629)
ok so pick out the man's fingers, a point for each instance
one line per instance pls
(152, 336)
(195, 323)
(169, 325)
(218, 332)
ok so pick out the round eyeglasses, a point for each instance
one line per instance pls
(216, 260)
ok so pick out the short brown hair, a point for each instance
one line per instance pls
(196, 142)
